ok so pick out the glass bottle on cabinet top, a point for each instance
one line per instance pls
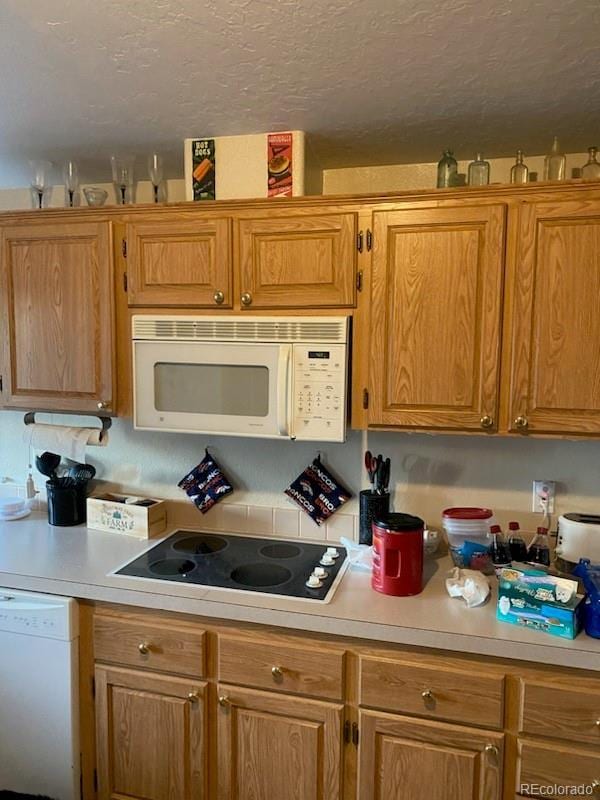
(591, 170)
(555, 163)
(519, 172)
(479, 171)
(447, 170)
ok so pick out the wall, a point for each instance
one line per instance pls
(430, 472)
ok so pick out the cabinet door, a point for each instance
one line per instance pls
(435, 317)
(275, 746)
(179, 263)
(150, 736)
(410, 759)
(555, 325)
(298, 261)
(56, 291)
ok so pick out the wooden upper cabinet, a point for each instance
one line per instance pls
(174, 262)
(299, 260)
(437, 282)
(150, 735)
(408, 759)
(57, 316)
(554, 319)
(275, 747)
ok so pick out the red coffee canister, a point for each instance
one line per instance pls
(398, 555)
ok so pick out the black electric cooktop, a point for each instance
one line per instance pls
(271, 566)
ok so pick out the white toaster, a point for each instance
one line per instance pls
(578, 537)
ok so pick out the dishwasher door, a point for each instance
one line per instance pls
(39, 713)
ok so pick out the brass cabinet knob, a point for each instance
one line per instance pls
(218, 297)
(144, 648)
(486, 421)
(103, 404)
(224, 700)
(492, 750)
(598, 722)
(193, 697)
(596, 787)
(521, 423)
(277, 672)
(246, 299)
(427, 696)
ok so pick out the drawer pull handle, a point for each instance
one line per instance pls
(193, 697)
(144, 648)
(521, 423)
(428, 696)
(224, 700)
(486, 422)
(277, 672)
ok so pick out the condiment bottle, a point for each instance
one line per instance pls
(499, 550)
(447, 170)
(518, 548)
(555, 163)
(591, 170)
(519, 172)
(539, 549)
(479, 171)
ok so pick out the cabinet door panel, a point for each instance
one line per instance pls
(555, 325)
(179, 263)
(275, 746)
(298, 261)
(408, 759)
(435, 317)
(150, 736)
(57, 288)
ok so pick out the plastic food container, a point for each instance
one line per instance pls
(467, 530)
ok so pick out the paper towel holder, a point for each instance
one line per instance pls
(29, 419)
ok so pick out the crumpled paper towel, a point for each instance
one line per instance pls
(469, 584)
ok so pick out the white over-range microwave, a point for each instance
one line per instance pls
(269, 377)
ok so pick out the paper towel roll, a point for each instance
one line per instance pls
(65, 440)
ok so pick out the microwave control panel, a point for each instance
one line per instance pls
(319, 392)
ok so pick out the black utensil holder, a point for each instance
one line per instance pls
(66, 504)
(372, 505)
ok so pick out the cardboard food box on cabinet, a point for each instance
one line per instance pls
(244, 167)
(110, 512)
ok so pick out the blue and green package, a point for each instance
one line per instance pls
(590, 577)
(206, 484)
(317, 492)
(531, 598)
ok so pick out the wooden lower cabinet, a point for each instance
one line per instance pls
(150, 732)
(402, 758)
(276, 747)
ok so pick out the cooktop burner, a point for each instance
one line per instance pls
(251, 564)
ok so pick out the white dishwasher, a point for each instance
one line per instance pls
(39, 709)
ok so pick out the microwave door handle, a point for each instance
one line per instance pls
(283, 372)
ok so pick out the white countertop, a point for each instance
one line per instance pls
(76, 562)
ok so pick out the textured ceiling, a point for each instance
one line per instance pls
(371, 81)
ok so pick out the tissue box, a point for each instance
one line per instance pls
(110, 512)
(533, 599)
(241, 167)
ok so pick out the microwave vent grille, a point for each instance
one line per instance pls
(230, 329)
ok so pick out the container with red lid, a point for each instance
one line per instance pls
(398, 555)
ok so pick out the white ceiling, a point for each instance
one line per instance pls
(371, 81)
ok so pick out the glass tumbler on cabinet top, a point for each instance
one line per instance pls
(447, 170)
(591, 169)
(122, 175)
(479, 171)
(519, 172)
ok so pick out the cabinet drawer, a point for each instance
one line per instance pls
(553, 710)
(309, 669)
(439, 693)
(159, 646)
(553, 767)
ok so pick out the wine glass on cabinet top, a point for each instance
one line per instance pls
(40, 174)
(122, 175)
(155, 171)
(71, 181)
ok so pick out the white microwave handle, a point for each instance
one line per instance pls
(283, 388)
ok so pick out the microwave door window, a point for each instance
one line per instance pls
(225, 389)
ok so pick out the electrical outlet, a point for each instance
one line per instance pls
(543, 489)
